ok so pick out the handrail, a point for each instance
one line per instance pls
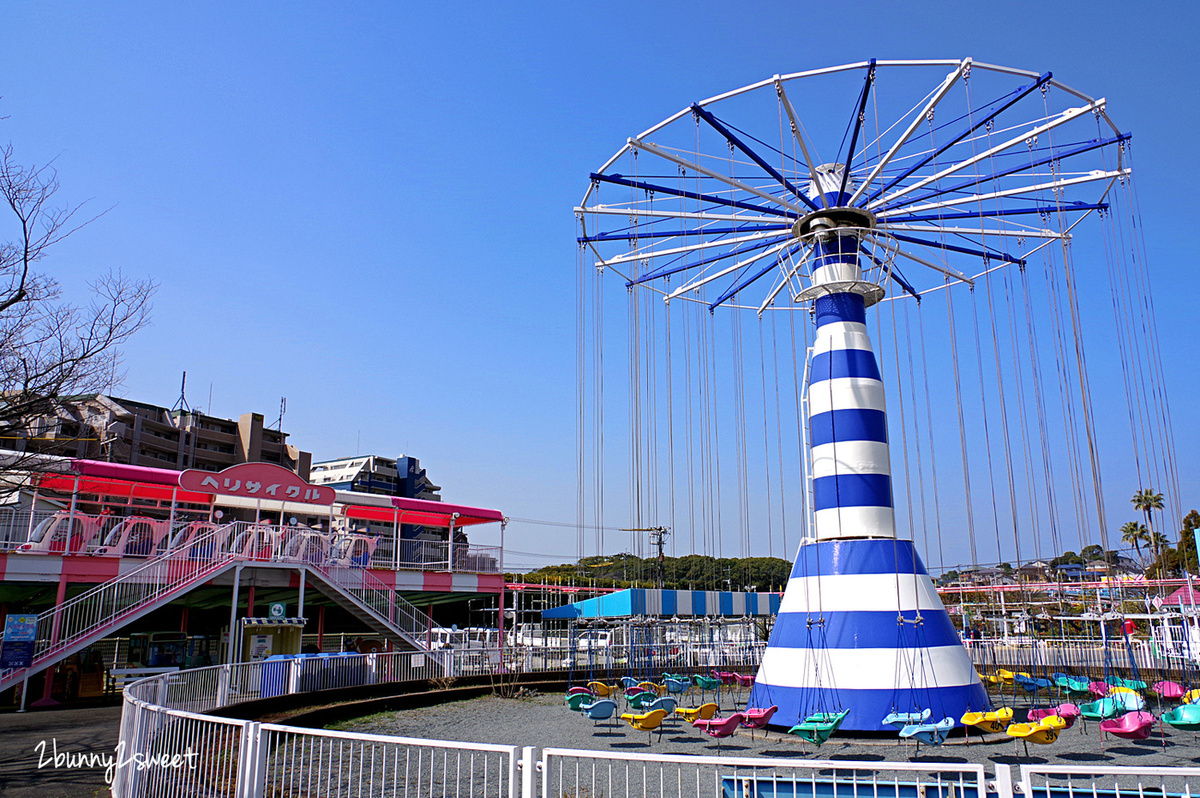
(376, 595)
(102, 606)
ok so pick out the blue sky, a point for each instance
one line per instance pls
(366, 207)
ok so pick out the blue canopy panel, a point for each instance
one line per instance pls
(862, 628)
(669, 603)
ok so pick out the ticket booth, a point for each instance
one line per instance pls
(261, 638)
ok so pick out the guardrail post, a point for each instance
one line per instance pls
(294, 675)
(1004, 782)
(223, 686)
(252, 762)
(529, 765)
(162, 690)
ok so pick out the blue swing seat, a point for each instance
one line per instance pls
(902, 719)
(929, 733)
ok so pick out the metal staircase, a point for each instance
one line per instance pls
(96, 613)
(82, 620)
(374, 603)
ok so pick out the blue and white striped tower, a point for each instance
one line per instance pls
(860, 626)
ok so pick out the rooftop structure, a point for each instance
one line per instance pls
(138, 433)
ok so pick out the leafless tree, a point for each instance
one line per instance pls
(52, 348)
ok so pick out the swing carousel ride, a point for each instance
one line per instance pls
(945, 234)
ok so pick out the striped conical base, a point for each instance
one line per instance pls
(862, 628)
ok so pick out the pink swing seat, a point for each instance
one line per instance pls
(1131, 726)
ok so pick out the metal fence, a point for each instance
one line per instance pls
(167, 748)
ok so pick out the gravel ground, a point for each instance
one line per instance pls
(544, 721)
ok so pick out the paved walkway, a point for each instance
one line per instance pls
(85, 730)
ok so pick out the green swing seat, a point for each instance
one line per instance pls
(1072, 686)
(820, 726)
(1103, 709)
(1184, 716)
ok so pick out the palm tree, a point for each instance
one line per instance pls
(1148, 501)
(1136, 534)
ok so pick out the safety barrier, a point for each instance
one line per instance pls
(167, 748)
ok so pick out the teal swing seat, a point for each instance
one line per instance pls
(820, 726)
(1184, 716)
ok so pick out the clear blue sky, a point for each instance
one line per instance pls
(366, 207)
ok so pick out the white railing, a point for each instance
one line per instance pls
(1068, 781)
(626, 775)
(1051, 654)
(198, 754)
(83, 534)
(434, 555)
(112, 603)
(378, 597)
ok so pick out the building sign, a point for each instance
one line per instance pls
(20, 634)
(257, 481)
(278, 610)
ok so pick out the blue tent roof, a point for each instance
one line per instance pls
(669, 603)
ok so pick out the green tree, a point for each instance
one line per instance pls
(1187, 541)
(1136, 534)
(1148, 501)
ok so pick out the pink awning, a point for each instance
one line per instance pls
(97, 468)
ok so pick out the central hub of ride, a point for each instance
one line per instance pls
(834, 232)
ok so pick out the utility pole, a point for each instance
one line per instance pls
(658, 537)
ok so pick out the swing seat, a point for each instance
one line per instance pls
(576, 700)
(1184, 716)
(628, 682)
(746, 680)
(647, 721)
(989, 721)
(929, 733)
(578, 690)
(726, 678)
(677, 685)
(1170, 690)
(1044, 732)
(1128, 699)
(692, 714)
(758, 718)
(1068, 712)
(902, 719)
(1098, 689)
(657, 689)
(600, 689)
(1131, 726)
(665, 702)
(707, 682)
(720, 728)
(1192, 696)
(1103, 709)
(1032, 685)
(640, 700)
(600, 710)
(819, 727)
(1071, 686)
(1136, 685)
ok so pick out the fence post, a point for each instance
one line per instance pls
(1004, 782)
(294, 666)
(529, 766)
(252, 762)
(223, 686)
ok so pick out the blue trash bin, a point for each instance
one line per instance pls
(273, 676)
